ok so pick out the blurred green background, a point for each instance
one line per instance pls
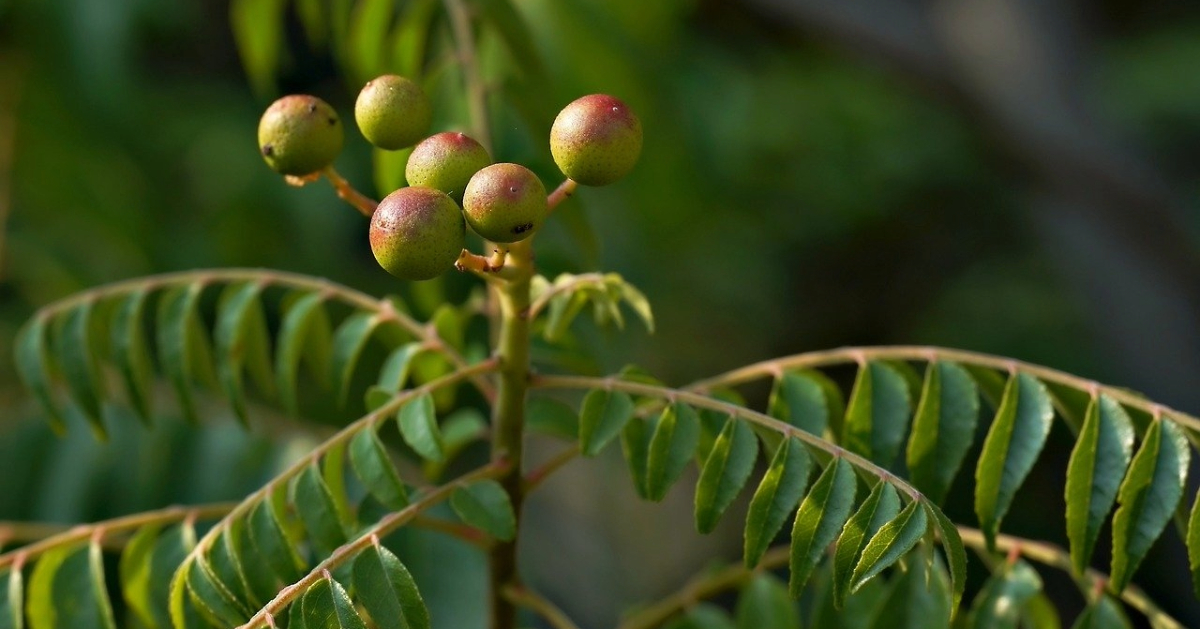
(1008, 176)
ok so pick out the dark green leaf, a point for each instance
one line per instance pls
(764, 604)
(387, 591)
(374, 468)
(943, 428)
(326, 605)
(317, 510)
(348, 343)
(147, 563)
(892, 542)
(1097, 465)
(821, 516)
(228, 570)
(549, 416)
(1011, 448)
(12, 599)
(241, 341)
(1147, 498)
(183, 349)
(260, 582)
(956, 554)
(713, 422)
(396, 368)
(858, 611)
(304, 333)
(725, 472)
(799, 399)
(419, 427)
(603, 415)
(672, 446)
(485, 506)
(1104, 613)
(705, 616)
(878, 509)
(877, 414)
(33, 366)
(776, 497)
(131, 354)
(268, 536)
(214, 597)
(67, 591)
(258, 32)
(1193, 545)
(1004, 596)
(635, 445)
(919, 599)
(75, 349)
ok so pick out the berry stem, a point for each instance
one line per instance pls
(508, 419)
(561, 193)
(347, 193)
(482, 266)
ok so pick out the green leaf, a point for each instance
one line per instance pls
(304, 333)
(764, 604)
(388, 171)
(75, 348)
(639, 303)
(1011, 448)
(799, 399)
(675, 439)
(369, 25)
(33, 366)
(326, 605)
(485, 506)
(147, 564)
(212, 596)
(227, 570)
(563, 309)
(1193, 545)
(877, 415)
(956, 553)
(603, 415)
(268, 536)
(776, 497)
(67, 590)
(409, 40)
(1104, 613)
(459, 430)
(261, 584)
(12, 599)
(131, 354)
(374, 468)
(183, 349)
(1098, 463)
(316, 507)
(258, 32)
(1004, 596)
(348, 343)
(396, 368)
(919, 599)
(892, 542)
(725, 472)
(821, 516)
(419, 427)
(387, 591)
(881, 505)
(552, 417)
(1040, 613)
(635, 445)
(1147, 498)
(241, 340)
(943, 428)
(703, 616)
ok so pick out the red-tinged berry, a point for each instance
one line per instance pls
(299, 135)
(446, 161)
(505, 203)
(596, 140)
(393, 112)
(417, 233)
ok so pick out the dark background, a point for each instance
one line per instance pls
(1011, 176)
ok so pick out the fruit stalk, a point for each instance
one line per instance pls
(508, 420)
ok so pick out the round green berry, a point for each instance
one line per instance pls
(417, 233)
(299, 135)
(596, 140)
(393, 112)
(505, 203)
(446, 161)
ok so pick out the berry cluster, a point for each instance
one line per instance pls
(418, 232)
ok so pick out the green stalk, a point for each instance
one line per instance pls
(508, 418)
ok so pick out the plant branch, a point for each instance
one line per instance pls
(60, 536)
(583, 279)
(464, 41)
(534, 478)
(928, 353)
(701, 401)
(388, 524)
(461, 532)
(541, 605)
(347, 193)
(561, 193)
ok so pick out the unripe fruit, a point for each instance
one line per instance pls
(505, 203)
(446, 161)
(596, 140)
(299, 135)
(417, 233)
(393, 112)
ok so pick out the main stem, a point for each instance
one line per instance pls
(508, 419)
